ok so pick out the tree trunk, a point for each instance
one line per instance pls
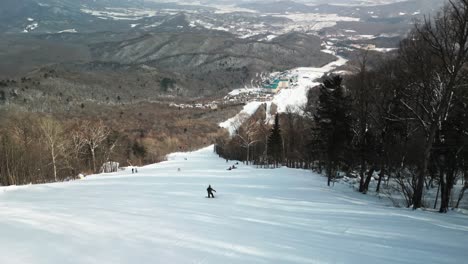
(248, 158)
(418, 192)
(443, 187)
(462, 192)
(437, 195)
(361, 173)
(93, 157)
(446, 190)
(54, 164)
(382, 170)
(381, 176)
(368, 179)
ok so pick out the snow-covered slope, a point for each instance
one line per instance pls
(161, 215)
(294, 97)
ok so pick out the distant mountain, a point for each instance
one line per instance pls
(200, 63)
(218, 59)
(280, 7)
(51, 16)
(90, 47)
(367, 9)
(402, 9)
(85, 16)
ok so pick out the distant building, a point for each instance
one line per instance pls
(283, 84)
(277, 85)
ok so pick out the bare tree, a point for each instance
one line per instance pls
(52, 135)
(436, 54)
(91, 135)
(462, 191)
(246, 129)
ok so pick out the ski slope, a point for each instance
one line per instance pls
(294, 97)
(161, 215)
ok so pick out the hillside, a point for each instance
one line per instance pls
(148, 66)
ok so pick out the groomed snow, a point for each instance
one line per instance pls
(248, 110)
(161, 215)
(296, 97)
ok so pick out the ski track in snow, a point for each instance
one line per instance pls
(161, 215)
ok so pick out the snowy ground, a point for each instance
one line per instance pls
(161, 215)
(294, 97)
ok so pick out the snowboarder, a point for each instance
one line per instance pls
(210, 191)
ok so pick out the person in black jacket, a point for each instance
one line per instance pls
(210, 191)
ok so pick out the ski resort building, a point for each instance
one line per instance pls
(277, 85)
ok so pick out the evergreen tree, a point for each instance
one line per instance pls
(275, 143)
(333, 122)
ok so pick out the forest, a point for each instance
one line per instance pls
(38, 147)
(404, 118)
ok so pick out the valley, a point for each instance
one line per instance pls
(99, 51)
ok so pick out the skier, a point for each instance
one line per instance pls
(210, 191)
(133, 170)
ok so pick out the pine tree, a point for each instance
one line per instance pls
(275, 143)
(333, 122)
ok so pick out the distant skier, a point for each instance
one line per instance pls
(136, 170)
(210, 191)
(133, 170)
